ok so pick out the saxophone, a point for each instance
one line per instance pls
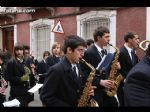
(114, 75)
(85, 99)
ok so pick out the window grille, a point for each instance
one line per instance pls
(90, 25)
(42, 41)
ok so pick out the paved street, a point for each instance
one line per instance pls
(35, 103)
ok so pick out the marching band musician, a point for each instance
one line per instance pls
(42, 68)
(3, 83)
(94, 56)
(63, 85)
(18, 77)
(137, 84)
(56, 54)
(127, 59)
(29, 62)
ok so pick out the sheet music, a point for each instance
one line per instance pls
(12, 103)
(35, 88)
(101, 62)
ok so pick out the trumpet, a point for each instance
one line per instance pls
(141, 44)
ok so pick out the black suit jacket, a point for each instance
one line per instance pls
(61, 87)
(137, 85)
(42, 68)
(125, 61)
(52, 60)
(92, 57)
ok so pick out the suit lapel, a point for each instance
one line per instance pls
(70, 74)
(128, 56)
(96, 53)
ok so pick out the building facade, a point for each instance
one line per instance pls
(33, 25)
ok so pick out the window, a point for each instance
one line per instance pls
(43, 40)
(88, 22)
(90, 25)
(41, 37)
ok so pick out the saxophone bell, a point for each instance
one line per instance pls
(141, 45)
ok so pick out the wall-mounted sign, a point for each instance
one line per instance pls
(58, 28)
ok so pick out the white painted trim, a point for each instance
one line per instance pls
(15, 34)
(1, 39)
(96, 14)
(148, 23)
(6, 26)
(33, 26)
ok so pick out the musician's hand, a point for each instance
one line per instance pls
(25, 78)
(91, 90)
(107, 83)
(2, 90)
(118, 66)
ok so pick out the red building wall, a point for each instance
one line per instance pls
(69, 23)
(23, 29)
(131, 20)
(23, 33)
(41, 13)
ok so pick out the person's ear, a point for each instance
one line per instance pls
(129, 40)
(69, 50)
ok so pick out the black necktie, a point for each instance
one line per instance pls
(74, 69)
(104, 52)
(133, 56)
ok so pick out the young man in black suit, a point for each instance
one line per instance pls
(94, 55)
(137, 84)
(63, 86)
(127, 59)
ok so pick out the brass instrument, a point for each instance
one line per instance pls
(85, 100)
(114, 75)
(27, 71)
(141, 44)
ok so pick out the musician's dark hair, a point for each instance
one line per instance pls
(26, 47)
(128, 35)
(100, 31)
(2, 55)
(89, 42)
(18, 46)
(46, 52)
(73, 41)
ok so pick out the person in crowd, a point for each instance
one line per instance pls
(42, 68)
(7, 55)
(56, 54)
(18, 76)
(127, 59)
(137, 84)
(63, 85)
(29, 61)
(89, 42)
(3, 82)
(94, 55)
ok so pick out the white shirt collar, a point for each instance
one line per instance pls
(128, 48)
(20, 60)
(98, 48)
(73, 65)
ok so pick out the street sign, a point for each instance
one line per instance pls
(58, 28)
